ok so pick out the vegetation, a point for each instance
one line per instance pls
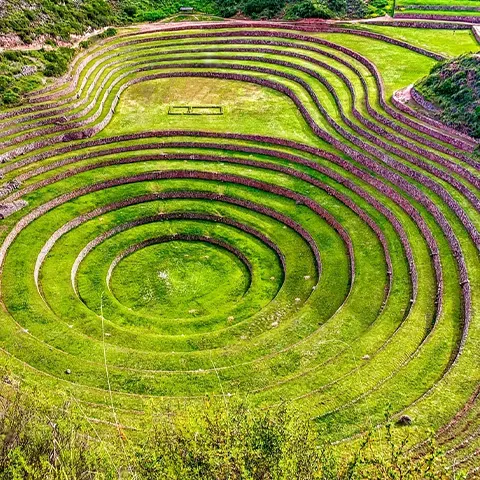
(331, 8)
(55, 19)
(23, 71)
(223, 440)
(256, 9)
(455, 87)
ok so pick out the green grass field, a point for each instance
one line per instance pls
(449, 42)
(315, 245)
(445, 8)
(454, 3)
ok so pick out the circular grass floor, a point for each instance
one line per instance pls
(164, 280)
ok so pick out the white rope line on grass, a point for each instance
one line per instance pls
(117, 423)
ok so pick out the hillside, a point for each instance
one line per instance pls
(454, 87)
(34, 28)
(33, 18)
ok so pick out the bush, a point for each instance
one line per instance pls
(109, 32)
(56, 61)
(217, 440)
(10, 98)
(454, 86)
(152, 16)
(307, 9)
(263, 8)
(56, 19)
(130, 11)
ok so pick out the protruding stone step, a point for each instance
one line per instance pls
(7, 209)
(9, 188)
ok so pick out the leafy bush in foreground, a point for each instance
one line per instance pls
(217, 440)
(55, 19)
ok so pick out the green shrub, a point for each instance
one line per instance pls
(217, 440)
(264, 8)
(130, 10)
(4, 83)
(455, 87)
(10, 97)
(307, 9)
(109, 32)
(56, 61)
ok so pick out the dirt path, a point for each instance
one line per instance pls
(385, 18)
(13, 42)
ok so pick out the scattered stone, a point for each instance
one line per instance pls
(306, 277)
(26, 71)
(11, 381)
(163, 275)
(61, 120)
(297, 299)
(9, 187)
(75, 135)
(7, 380)
(275, 324)
(7, 209)
(404, 420)
(366, 357)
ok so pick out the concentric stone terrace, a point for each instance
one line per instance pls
(317, 243)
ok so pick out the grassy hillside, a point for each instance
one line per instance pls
(54, 22)
(454, 86)
(56, 19)
(24, 70)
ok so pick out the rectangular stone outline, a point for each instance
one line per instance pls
(195, 110)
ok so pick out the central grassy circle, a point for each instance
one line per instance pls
(180, 279)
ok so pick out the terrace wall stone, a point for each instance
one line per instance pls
(445, 18)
